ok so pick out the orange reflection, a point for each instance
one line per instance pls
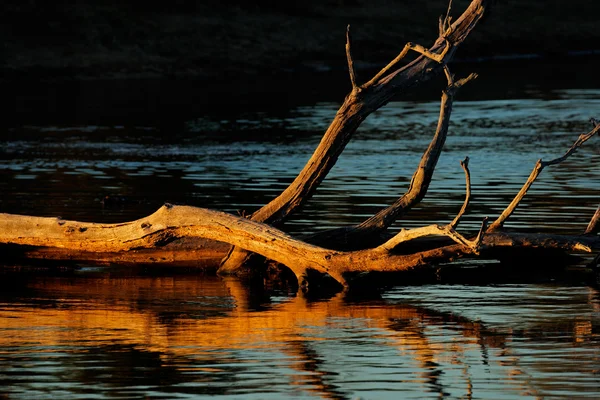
(140, 312)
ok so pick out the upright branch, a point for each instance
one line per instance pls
(444, 24)
(351, 70)
(465, 166)
(537, 170)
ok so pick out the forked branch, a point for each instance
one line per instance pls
(357, 106)
(437, 57)
(445, 22)
(449, 230)
(537, 170)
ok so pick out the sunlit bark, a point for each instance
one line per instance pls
(358, 105)
(68, 238)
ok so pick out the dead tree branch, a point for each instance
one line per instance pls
(356, 107)
(351, 70)
(422, 177)
(172, 222)
(537, 170)
(465, 166)
(369, 232)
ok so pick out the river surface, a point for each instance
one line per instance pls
(102, 332)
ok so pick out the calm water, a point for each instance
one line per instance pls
(108, 333)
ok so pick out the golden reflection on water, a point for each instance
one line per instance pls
(198, 319)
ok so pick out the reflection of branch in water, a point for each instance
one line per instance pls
(467, 375)
(310, 361)
(411, 334)
(128, 311)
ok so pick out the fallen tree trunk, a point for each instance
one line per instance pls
(131, 241)
(180, 235)
(112, 242)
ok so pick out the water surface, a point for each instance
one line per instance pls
(100, 332)
(107, 336)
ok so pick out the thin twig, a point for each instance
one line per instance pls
(445, 24)
(449, 75)
(539, 166)
(350, 62)
(391, 64)
(465, 166)
(456, 85)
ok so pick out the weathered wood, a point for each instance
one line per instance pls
(359, 103)
(371, 232)
(71, 239)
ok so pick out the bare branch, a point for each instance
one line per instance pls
(390, 65)
(444, 24)
(422, 176)
(455, 86)
(67, 240)
(406, 235)
(350, 62)
(465, 166)
(449, 230)
(354, 110)
(539, 167)
(439, 58)
(594, 225)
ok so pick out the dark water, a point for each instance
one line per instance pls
(105, 333)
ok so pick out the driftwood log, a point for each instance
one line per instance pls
(189, 236)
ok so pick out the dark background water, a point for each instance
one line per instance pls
(117, 150)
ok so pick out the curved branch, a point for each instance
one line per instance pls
(465, 166)
(406, 235)
(357, 107)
